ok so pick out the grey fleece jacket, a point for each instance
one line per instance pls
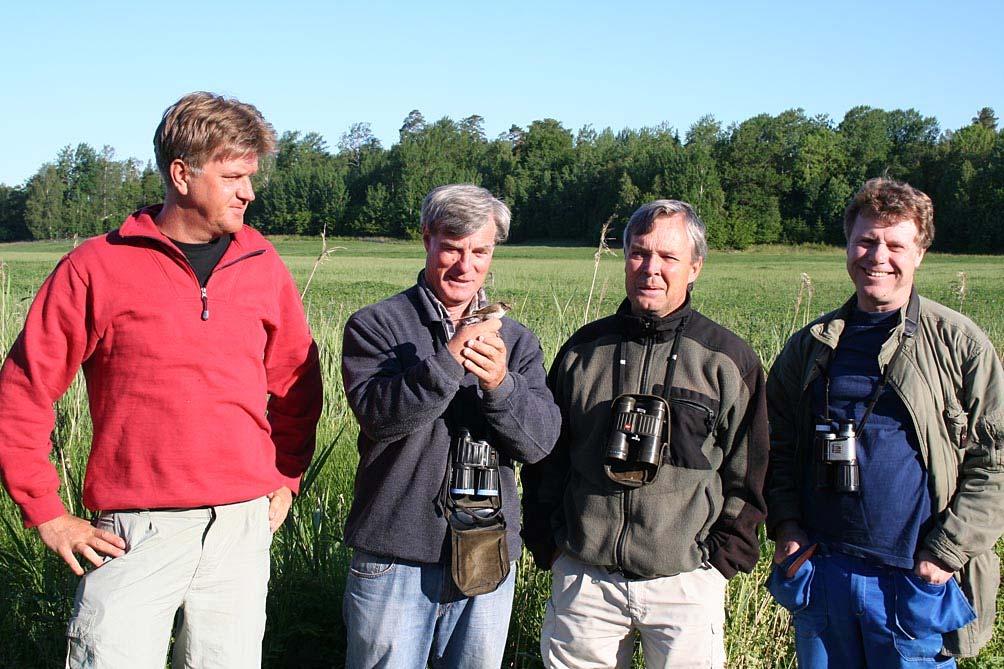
(409, 396)
(707, 500)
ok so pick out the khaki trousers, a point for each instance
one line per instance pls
(592, 613)
(208, 566)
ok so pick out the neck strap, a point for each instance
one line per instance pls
(912, 319)
(620, 363)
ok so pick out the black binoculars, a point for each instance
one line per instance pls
(636, 441)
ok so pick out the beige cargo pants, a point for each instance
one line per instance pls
(592, 614)
(211, 563)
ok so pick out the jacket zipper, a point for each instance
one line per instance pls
(622, 537)
(645, 364)
(205, 303)
(202, 289)
(626, 497)
(709, 414)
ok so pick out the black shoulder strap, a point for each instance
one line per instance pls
(912, 319)
(909, 330)
(667, 385)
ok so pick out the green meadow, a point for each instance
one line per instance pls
(762, 294)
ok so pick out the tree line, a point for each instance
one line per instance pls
(769, 179)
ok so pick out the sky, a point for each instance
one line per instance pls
(102, 73)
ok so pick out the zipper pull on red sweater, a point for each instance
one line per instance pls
(205, 305)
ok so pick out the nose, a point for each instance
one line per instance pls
(245, 191)
(650, 266)
(466, 261)
(879, 253)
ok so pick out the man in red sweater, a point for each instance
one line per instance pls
(204, 391)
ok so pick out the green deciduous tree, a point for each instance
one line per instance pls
(12, 219)
(771, 178)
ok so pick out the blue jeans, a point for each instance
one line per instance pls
(402, 614)
(850, 612)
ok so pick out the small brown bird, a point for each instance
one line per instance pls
(494, 310)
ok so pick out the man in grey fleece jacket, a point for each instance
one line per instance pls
(654, 557)
(415, 375)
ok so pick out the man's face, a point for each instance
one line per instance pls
(881, 260)
(218, 196)
(658, 267)
(456, 267)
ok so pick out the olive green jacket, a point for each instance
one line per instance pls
(951, 381)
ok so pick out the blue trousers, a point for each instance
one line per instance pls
(401, 614)
(850, 612)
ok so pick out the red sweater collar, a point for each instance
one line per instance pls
(142, 224)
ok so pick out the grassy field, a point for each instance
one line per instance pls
(763, 295)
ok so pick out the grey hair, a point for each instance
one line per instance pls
(643, 220)
(459, 210)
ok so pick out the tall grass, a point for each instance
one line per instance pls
(762, 295)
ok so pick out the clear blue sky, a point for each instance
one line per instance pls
(103, 72)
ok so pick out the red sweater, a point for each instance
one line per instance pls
(187, 412)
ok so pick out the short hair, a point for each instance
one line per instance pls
(202, 126)
(643, 220)
(887, 200)
(459, 210)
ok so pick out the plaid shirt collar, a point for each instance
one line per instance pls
(449, 328)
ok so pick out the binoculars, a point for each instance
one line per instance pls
(636, 441)
(836, 461)
(475, 468)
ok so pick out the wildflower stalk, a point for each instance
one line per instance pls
(321, 257)
(601, 249)
(960, 289)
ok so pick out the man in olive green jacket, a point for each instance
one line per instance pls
(912, 507)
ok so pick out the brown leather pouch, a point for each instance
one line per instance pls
(479, 559)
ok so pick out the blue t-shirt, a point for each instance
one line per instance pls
(883, 520)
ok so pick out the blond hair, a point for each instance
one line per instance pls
(202, 126)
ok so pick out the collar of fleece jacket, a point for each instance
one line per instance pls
(664, 328)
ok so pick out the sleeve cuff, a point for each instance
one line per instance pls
(443, 364)
(495, 398)
(946, 551)
(41, 510)
(292, 483)
(775, 520)
(718, 562)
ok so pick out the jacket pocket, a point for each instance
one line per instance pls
(708, 522)
(957, 422)
(692, 420)
(593, 518)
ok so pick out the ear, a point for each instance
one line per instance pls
(426, 240)
(695, 270)
(179, 174)
(920, 256)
